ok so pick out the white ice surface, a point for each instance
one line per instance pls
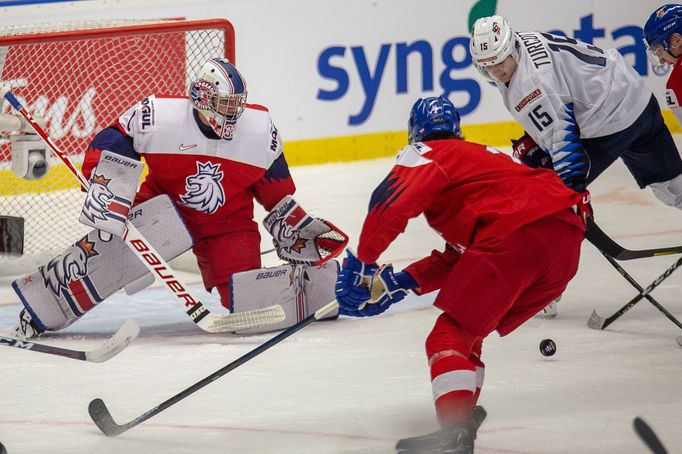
(358, 385)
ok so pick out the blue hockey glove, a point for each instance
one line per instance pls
(352, 285)
(386, 288)
(389, 287)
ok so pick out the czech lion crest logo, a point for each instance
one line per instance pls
(69, 267)
(98, 199)
(203, 191)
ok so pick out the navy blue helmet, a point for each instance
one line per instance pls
(661, 25)
(430, 116)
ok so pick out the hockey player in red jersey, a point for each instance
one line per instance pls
(212, 155)
(512, 236)
(663, 38)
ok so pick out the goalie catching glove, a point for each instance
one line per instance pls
(363, 290)
(300, 238)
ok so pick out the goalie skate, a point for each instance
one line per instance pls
(27, 328)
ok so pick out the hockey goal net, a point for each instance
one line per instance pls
(77, 78)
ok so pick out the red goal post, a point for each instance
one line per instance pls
(77, 78)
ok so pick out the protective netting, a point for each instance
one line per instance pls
(78, 78)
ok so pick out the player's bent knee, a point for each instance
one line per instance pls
(447, 335)
(669, 192)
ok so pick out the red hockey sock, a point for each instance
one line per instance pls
(475, 358)
(453, 379)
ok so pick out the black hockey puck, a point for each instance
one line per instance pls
(547, 347)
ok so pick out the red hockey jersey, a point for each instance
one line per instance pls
(673, 92)
(467, 192)
(213, 182)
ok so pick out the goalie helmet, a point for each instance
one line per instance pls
(660, 27)
(219, 95)
(492, 40)
(430, 116)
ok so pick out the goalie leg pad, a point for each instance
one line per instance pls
(59, 293)
(299, 289)
(111, 193)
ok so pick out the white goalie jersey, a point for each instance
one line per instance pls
(564, 90)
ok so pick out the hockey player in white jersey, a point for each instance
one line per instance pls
(209, 156)
(584, 106)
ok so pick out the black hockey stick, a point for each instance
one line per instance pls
(648, 436)
(102, 417)
(604, 243)
(597, 322)
(109, 348)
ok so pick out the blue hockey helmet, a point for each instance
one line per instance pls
(660, 27)
(432, 115)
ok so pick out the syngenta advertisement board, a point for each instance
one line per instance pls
(340, 76)
(362, 65)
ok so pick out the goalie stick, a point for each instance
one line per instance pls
(107, 350)
(604, 243)
(102, 417)
(212, 323)
(648, 436)
(598, 322)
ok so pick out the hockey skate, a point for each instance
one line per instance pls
(27, 328)
(453, 440)
(550, 311)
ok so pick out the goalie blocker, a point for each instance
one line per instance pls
(112, 189)
(59, 293)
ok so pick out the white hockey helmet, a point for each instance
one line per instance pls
(492, 40)
(219, 95)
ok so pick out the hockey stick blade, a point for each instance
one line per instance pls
(107, 350)
(215, 323)
(105, 422)
(115, 344)
(604, 243)
(102, 417)
(648, 436)
(596, 321)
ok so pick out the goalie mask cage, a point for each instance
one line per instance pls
(77, 78)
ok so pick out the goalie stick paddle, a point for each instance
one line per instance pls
(648, 436)
(102, 417)
(155, 263)
(604, 243)
(107, 350)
